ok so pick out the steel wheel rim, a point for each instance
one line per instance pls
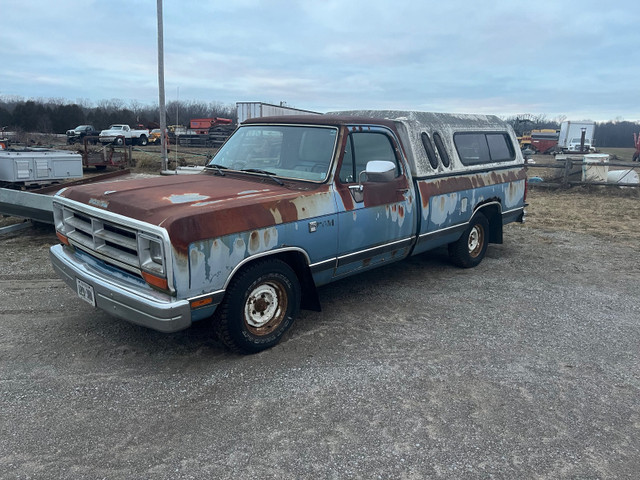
(265, 308)
(476, 240)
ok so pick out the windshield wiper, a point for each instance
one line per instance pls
(217, 167)
(264, 172)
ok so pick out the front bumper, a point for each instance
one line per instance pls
(142, 306)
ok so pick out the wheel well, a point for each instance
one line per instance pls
(298, 262)
(492, 210)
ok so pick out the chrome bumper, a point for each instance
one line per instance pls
(148, 308)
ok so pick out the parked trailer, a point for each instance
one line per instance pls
(247, 110)
(571, 132)
(36, 205)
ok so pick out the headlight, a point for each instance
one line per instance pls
(151, 252)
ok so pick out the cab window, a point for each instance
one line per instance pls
(363, 147)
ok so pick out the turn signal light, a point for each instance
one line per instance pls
(202, 302)
(63, 239)
(154, 281)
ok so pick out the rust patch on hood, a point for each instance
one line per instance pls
(199, 207)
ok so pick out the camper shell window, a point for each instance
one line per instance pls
(444, 156)
(428, 147)
(480, 148)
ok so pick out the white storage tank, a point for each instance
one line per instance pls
(595, 167)
(623, 176)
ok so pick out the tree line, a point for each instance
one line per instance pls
(58, 116)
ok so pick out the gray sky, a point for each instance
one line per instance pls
(572, 58)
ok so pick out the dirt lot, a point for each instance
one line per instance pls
(524, 367)
(613, 215)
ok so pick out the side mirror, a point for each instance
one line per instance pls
(380, 171)
(376, 171)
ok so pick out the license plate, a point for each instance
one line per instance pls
(85, 292)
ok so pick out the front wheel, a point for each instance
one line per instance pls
(261, 304)
(119, 141)
(469, 250)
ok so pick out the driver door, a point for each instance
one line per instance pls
(375, 219)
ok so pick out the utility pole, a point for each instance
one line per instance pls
(163, 111)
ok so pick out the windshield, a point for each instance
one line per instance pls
(299, 152)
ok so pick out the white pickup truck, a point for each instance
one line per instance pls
(123, 134)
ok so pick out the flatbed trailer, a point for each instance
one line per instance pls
(36, 204)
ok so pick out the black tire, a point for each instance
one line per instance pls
(119, 141)
(469, 250)
(260, 305)
(142, 141)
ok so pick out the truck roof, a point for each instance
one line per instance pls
(409, 126)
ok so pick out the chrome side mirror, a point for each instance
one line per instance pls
(376, 171)
(380, 171)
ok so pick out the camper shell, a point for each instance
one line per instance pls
(411, 125)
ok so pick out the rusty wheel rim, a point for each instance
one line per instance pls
(265, 308)
(476, 240)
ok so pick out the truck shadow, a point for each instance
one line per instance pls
(119, 340)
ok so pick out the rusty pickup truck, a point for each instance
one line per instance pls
(286, 205)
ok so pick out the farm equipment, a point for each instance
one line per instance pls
(636, 143)
(544, 141)
(202, 132)
(540, 141)
(104, 156)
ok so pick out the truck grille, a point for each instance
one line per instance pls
(107, 240)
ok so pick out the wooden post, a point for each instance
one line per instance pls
(568, 165)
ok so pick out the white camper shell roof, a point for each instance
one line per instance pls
(412, 124)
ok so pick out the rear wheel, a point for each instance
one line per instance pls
(261, 304)
(469, 250)
(142, 140)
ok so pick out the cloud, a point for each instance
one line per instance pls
(547, 57)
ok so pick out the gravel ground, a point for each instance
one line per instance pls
(525, 367)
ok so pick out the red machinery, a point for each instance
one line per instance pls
(202, 125)
(636, 143)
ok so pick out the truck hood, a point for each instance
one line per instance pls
(203, 206)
